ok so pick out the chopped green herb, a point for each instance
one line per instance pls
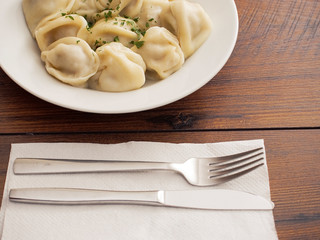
(78, 41)
(130, 22)
(138, 44)
(69, 16)
(88, 28)
(108, 15)
(138, 31)
(116, 39)
(90, 24)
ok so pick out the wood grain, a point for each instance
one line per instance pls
(271, 81)
(269, 89)
(292, 156)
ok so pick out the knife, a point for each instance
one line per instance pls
(218, 199)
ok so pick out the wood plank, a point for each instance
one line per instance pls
(271, 81)
(292, 156)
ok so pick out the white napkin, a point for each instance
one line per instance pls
(122, 222)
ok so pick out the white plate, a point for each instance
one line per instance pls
(20, 59)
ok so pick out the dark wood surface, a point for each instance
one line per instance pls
(269, 89)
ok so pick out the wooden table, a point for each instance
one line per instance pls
(269, 89)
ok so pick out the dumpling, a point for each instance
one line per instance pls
(161, 52)
(95, 10)
(106, 8)
(37, 10)
(132, 9)
(92, 10)
(121, 8)
(71, 60)
(112, 4)
(64, 26)
(87, 9)
(189, 22)
(120, 69)
(151, 11)
(118, 29)
(129, 8)
(117, 5)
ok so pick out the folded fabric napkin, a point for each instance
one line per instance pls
(121, 222)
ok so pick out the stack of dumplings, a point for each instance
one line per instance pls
(115, 45)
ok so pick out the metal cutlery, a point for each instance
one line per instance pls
(197, 171)
(219, 199)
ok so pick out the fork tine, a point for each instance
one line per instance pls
(231, 159)
(238, 171)
(226, 178)
(233, 156)
(230, 165)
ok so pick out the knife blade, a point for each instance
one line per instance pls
(218, 199)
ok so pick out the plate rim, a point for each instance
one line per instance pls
(137, 108)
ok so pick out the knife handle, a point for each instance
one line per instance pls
(75, 196)
(50, 166)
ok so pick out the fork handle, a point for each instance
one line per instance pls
(51, 166)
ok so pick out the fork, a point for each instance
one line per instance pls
(197, 171)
